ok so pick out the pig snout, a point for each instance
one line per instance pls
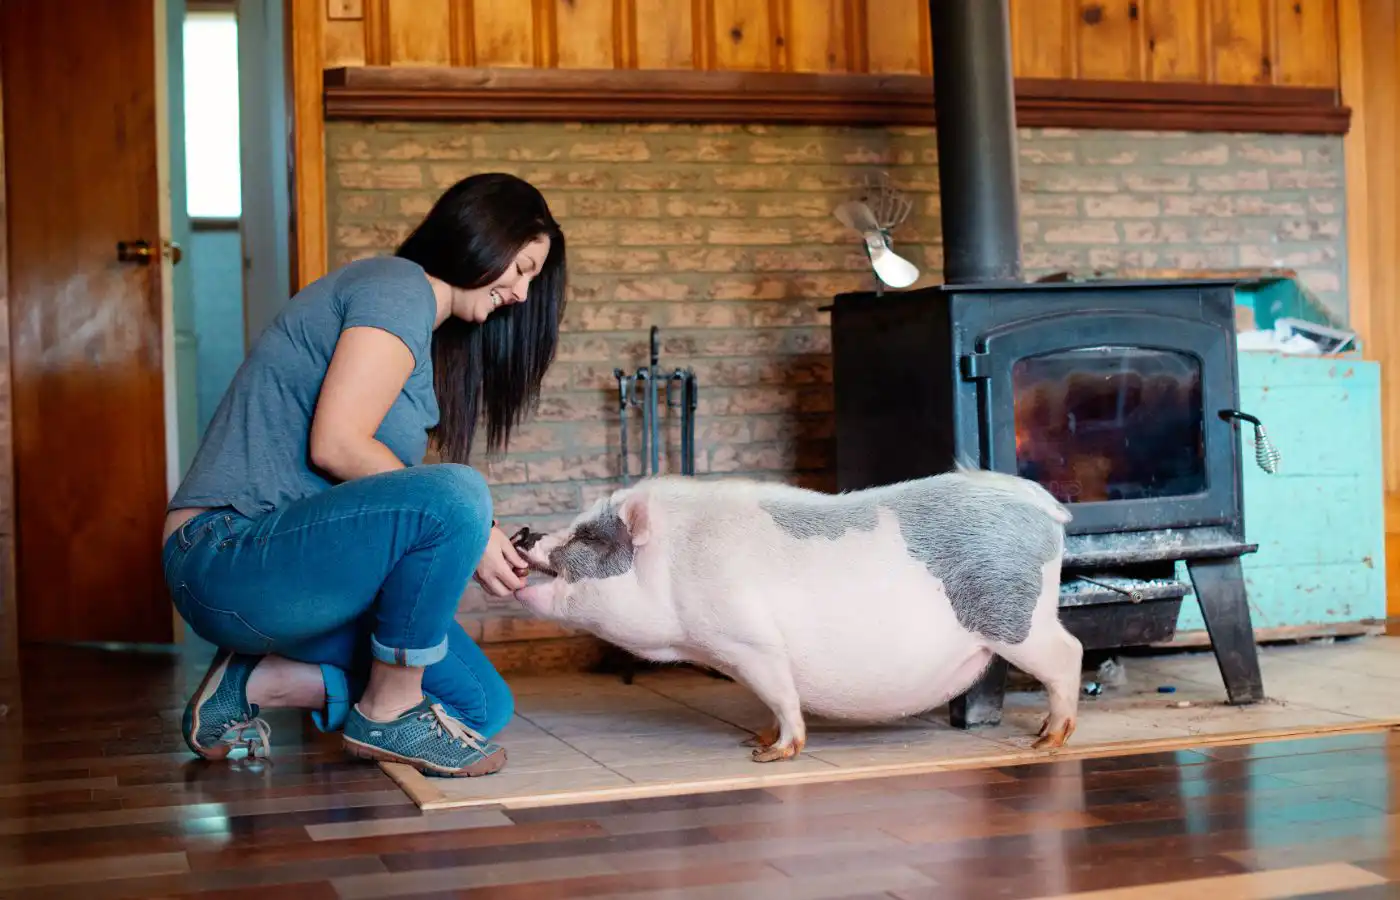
(539, 598)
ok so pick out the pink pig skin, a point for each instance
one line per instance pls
(867, 606)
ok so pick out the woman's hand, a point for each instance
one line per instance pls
(502, 569)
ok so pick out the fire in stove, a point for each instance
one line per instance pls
(1097, 424)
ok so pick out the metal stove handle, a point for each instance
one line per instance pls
(1265, 453)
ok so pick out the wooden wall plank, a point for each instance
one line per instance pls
(460, 22)
(504, 32)
(376, 27)
(1175, 40)
(1109, 40)
(419, 32)
(1307, 43)
(743, 35)
(1042, 38)
(1286, 42)
(343, 43)
(310, 245)
(897, 38)
(665, 35)
(816, 37)
(586, 34)
(1241, 44)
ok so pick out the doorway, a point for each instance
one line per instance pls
(146, 185)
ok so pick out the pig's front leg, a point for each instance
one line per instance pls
(768, 674)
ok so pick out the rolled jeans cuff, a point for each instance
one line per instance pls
(332, 718)
(399, 656)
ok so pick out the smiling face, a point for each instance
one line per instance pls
(513, 285)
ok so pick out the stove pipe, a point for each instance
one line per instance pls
(974, 104)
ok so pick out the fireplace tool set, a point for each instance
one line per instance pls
(642, 390)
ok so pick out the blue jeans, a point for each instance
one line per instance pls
(370, 569)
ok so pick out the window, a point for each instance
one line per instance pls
(212, 172)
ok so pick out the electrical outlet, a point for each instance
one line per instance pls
(345, 9)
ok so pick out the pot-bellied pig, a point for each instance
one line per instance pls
(865, 606)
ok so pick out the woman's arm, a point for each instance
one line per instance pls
(368, 370)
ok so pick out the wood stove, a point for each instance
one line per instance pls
(1120, 397)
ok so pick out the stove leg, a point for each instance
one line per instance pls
(980, 706)
(1219, 586)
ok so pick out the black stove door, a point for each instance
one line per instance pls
(1117, 415)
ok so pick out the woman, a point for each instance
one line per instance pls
(308, 542)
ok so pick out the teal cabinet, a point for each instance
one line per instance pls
(1319, 522)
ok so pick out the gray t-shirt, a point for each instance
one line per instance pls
(254, 455)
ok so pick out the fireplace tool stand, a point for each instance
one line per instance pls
(642, 390)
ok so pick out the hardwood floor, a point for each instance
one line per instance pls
(99, 798)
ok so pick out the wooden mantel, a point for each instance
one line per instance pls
(622, 95)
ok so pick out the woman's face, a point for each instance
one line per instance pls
(475, 304)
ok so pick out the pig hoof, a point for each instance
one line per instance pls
(1054, 738)
(763, 738)
(774, 753)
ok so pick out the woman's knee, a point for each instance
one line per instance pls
(458, 498)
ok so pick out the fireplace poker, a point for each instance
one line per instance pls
(653, 424)
(1135, 596)
(690, 399)
(624, 395)
(684, 380)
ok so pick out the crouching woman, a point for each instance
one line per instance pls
(308, 541)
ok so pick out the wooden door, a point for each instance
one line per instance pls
(83, 129)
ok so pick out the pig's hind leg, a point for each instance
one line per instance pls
(1053, 656)
(769, 675)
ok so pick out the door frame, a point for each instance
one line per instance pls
(268, 188)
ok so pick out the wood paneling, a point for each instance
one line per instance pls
(1181, 43)
(1368, 49)
(1043, 39)
(1108, 44)
(1307, 42)
(1175, 41)
(664, 34)
(1281, 42)
(1239, 42)
(306, 20)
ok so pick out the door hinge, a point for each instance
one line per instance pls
(974, 366)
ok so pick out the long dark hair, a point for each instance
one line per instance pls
(472, 233)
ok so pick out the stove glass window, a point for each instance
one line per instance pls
(1110, 423)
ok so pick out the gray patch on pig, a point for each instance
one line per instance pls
(987, 547)
(599, 548)
(810, 520)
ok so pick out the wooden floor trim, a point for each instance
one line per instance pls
(428, 797)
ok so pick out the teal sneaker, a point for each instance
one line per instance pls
(219, 714)
(426, 738)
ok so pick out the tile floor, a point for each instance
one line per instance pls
(586, 737)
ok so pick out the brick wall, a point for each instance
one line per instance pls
(723, 237)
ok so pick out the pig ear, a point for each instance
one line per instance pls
(636, 517)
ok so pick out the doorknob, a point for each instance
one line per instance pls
(142, 253)
(134, 251)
